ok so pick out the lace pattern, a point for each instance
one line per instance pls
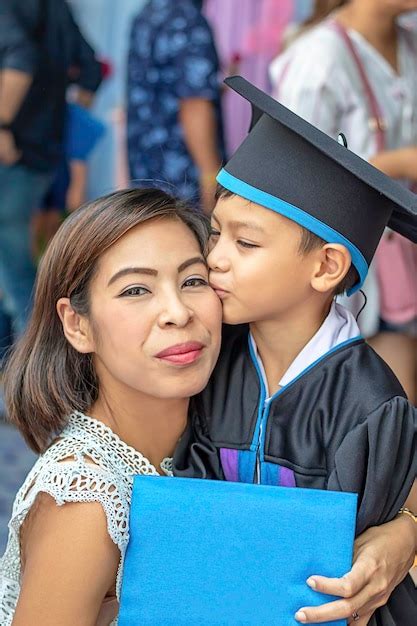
(88, 463)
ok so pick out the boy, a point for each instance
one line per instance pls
(300, 399)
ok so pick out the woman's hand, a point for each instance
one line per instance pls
(383, 556)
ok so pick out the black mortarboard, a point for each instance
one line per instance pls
(287, 165)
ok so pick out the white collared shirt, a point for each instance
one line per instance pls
(338, 327)
(318, 79)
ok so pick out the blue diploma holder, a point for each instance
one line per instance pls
(205, 552)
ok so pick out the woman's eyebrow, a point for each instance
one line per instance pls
(132, 270)
(151, 272)
(196, 260)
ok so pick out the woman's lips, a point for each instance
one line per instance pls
(182, 354)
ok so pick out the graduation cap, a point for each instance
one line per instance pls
(287, 165)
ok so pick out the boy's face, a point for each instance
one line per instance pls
(256, 267)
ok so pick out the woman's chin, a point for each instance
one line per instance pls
(185, 388)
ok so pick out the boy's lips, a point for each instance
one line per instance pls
(222, 293)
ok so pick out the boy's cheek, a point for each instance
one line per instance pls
(235, 313)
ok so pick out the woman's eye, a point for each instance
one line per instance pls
(214, 232)
(195, 282)
(135, 291)
(246, 244)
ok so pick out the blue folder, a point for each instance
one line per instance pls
(212, 552)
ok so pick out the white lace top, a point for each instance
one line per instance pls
(88, 463)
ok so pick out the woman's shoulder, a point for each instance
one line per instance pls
(85, 469)
(319, 50)
(73, 470)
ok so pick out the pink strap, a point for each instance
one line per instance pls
(376, 121)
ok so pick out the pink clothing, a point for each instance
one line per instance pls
(396, 269)
(248, 36)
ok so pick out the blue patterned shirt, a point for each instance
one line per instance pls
(172, 57)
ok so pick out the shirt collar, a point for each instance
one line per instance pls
(338, 327)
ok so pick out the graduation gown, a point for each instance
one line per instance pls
(344, 424)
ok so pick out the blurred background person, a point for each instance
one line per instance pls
(106, 25)
(319, 10)
(69, 187)
(39, 44)
(248, 36)
(356, 72)
(174, 127)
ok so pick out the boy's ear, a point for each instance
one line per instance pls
(332, 264)
(77, 328)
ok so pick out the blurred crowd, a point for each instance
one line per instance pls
(97, 95)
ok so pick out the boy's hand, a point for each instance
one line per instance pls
(382, 558)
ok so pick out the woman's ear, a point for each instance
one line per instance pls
(333, 263)
(77, 328)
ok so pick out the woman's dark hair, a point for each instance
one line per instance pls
(308, 242)
(46, 378)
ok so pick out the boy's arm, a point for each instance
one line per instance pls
(377, 460)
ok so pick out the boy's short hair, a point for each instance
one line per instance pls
(309, 242)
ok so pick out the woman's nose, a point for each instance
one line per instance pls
(174, 311)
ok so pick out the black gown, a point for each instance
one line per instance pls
(344, 424)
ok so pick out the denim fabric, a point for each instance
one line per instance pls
(21, 191)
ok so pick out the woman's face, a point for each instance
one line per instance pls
(155, 321)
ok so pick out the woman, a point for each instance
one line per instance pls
(97, 321)
(320, 10)
(125, 329)
(356, 72)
